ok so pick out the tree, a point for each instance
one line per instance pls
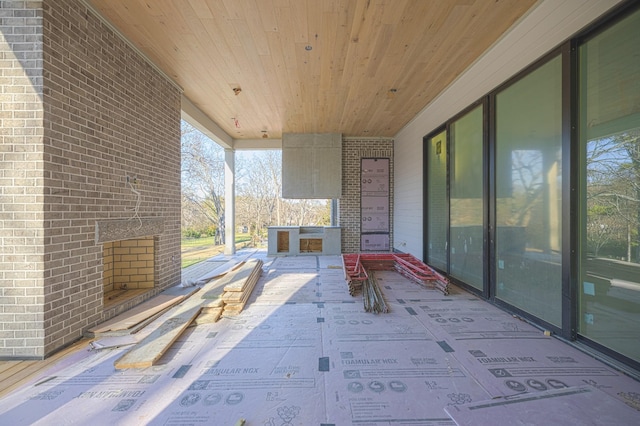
(203, 178)
(258, 188)
(258, 201)
(613, 193)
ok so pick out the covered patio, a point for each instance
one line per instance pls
(304, 352)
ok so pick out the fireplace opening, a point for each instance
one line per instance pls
(128, 269)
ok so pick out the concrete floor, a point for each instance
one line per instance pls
(304, 352)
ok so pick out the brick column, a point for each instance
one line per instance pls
(21, 181)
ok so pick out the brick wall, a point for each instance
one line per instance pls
(353, 150)
(97, 114)
(21, 180)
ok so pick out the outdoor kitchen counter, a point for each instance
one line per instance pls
(299, 240)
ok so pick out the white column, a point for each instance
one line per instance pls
(229, 202)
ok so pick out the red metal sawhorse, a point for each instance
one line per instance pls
(356, 266)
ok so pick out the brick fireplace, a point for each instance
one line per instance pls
(129, 261)
(128, 268)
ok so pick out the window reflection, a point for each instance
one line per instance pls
(466, 252)
(609, 286)
(528, 188)
(610, 296)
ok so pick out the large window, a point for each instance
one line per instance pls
(437, 205)
(528, 242)
(543, 215)
(466, 251)
(609, 284)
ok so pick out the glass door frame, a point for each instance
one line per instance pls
(578, 187)
(484, 103)
(571, 187)
(568, 317)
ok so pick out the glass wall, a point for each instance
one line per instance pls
(514, 216)
(528, 148)
(466, 252)
(609, 283)
(437, 208)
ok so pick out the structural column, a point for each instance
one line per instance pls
(229, 202)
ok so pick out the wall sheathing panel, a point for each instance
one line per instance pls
(311, 165)
(353, 151)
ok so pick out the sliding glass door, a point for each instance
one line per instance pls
(437, 216)
(533, 195)
(466, 199)
(528, 146)
(609, 283)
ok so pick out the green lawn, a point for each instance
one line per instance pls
(196, 250)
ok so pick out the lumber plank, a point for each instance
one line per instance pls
(239, 280)
(238, 297)
(113, 342)
(218, 285)
(128, 331)
(255, 273)
(209, 317)
(139, 313)
(224, 269)
(150, 349)
(235, 296)
(213, 304)
(234, 308)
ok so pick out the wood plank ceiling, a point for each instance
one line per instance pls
(356, 67)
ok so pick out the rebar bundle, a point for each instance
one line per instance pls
(372, 296)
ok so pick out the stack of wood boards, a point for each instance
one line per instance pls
(231, 291)
(133, 320)
(211, 311)
(149, 350)
(239, 287)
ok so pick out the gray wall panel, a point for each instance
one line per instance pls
(311, 165)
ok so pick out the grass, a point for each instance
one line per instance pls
(196, 250)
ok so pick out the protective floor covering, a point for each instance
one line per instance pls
(304, 352)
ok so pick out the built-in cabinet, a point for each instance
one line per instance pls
(300, 240)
